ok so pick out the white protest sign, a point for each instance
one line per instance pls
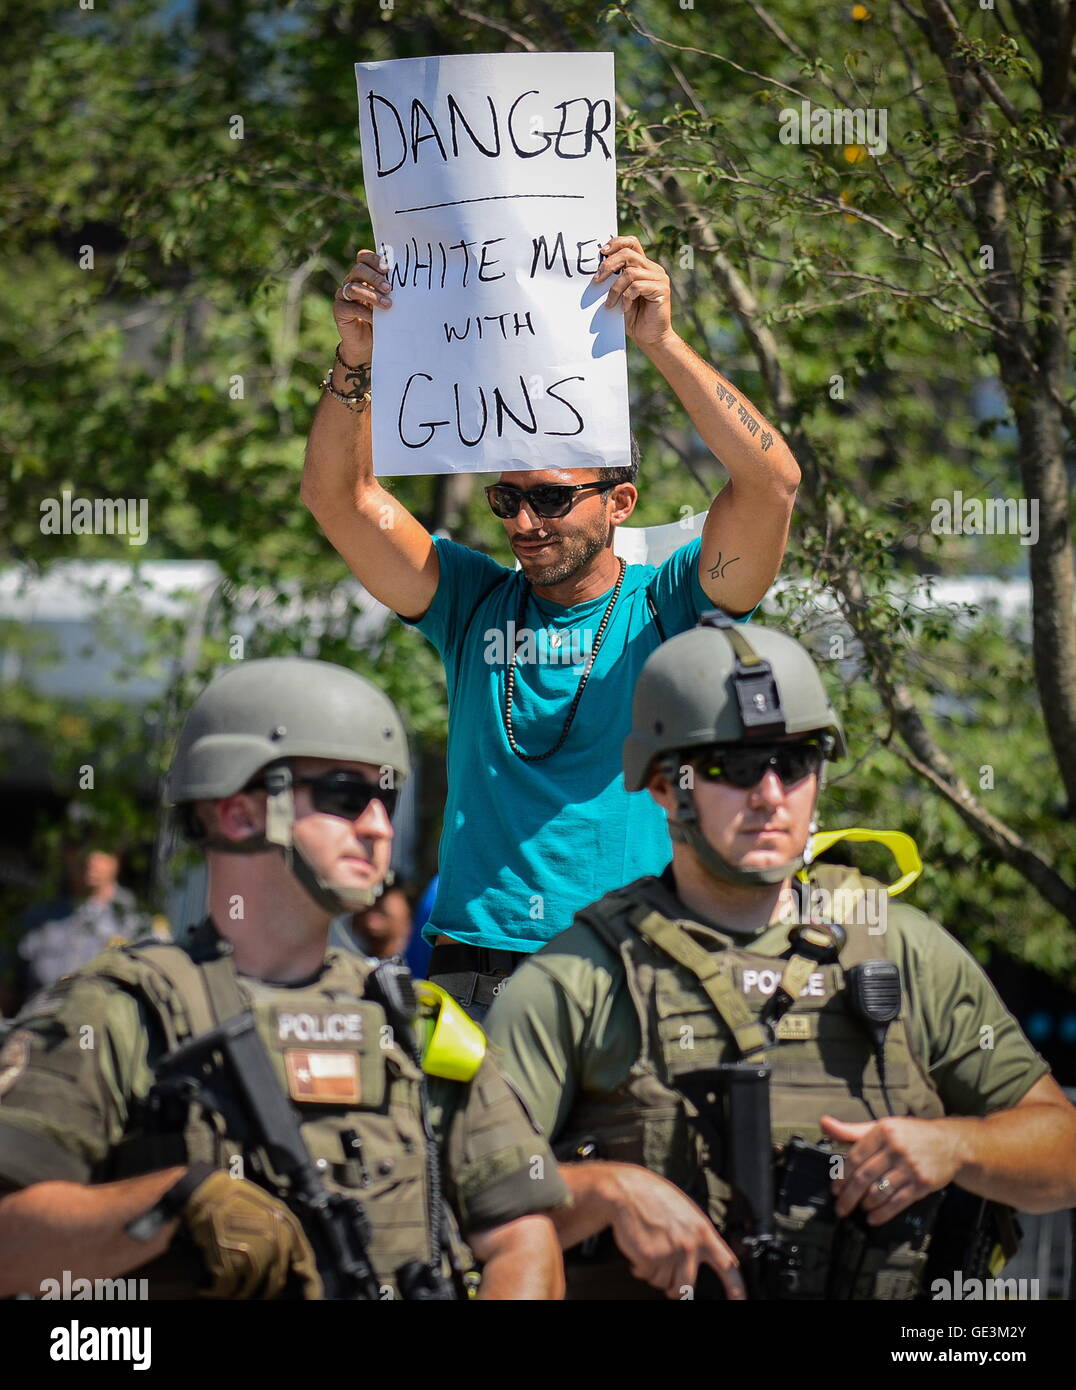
(491, 183)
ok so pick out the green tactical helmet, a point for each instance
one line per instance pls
(281, 707)
(724, 682)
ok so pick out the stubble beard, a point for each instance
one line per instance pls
(577, 551)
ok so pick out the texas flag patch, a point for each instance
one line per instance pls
(326, 1078)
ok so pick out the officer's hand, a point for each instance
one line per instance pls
(641, 289)
(251, 1243)
(666, 1237)
(365, 286)
(910, 1158)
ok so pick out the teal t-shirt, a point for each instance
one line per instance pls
(525, 845)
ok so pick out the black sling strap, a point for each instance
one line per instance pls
(654, 614)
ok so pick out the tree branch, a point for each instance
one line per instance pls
(944, 19)
(501, 28)
(717, 57)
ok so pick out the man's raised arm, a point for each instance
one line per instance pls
(746, 531)
(387, 550)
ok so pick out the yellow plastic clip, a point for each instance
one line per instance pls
(454, 1044)
(902, 847)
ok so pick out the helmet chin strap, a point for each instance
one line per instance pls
(332, 897)
(684, 829)
(692, 836)
(279, 821)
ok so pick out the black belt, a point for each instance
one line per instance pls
(472, 974)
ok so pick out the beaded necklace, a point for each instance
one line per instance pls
(510, 683)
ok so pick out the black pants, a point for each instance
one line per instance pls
(473, 975)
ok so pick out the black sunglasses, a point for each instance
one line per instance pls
(745, 767)
(346, 794)
(551, 500)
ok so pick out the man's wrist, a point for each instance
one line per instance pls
(964, 1132)
(666, 345)
(352, 368)
(349, 381)
(602, 1184)
(340, 380)
(352, 356)
(169, 1205)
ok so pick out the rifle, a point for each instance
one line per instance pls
(732, 1113)
(336, 1226)
(731, 1105)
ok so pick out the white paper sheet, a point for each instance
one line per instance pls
(652, 545)
(491, 182)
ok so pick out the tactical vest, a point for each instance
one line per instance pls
(334, 1056)
(822, 1063)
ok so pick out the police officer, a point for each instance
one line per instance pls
(801, 1060)
(286, 775)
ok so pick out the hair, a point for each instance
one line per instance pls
(623, 475)
(197, 820)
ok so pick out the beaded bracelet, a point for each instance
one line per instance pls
(356, 401)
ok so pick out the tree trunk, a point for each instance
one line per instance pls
(1053, 592)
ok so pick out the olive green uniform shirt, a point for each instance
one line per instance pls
(566, 1024)
(82, 1055)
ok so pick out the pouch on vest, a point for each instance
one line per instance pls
(453, 1045)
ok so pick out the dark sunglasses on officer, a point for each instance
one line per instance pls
(744, 766)
(342, 792)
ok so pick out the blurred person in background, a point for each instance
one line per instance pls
(53, 938)
(379, 931)
(388, 928)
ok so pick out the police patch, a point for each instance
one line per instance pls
(14, 1058)
(321, 1027)
(323, 1078)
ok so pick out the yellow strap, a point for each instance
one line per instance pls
(730, 1005)
(455, 1045)
(902, 847)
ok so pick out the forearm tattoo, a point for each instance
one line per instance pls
(718, 571)
(748, 420)
(360, 375)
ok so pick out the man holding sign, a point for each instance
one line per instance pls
(540, 661)
(538, 822)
